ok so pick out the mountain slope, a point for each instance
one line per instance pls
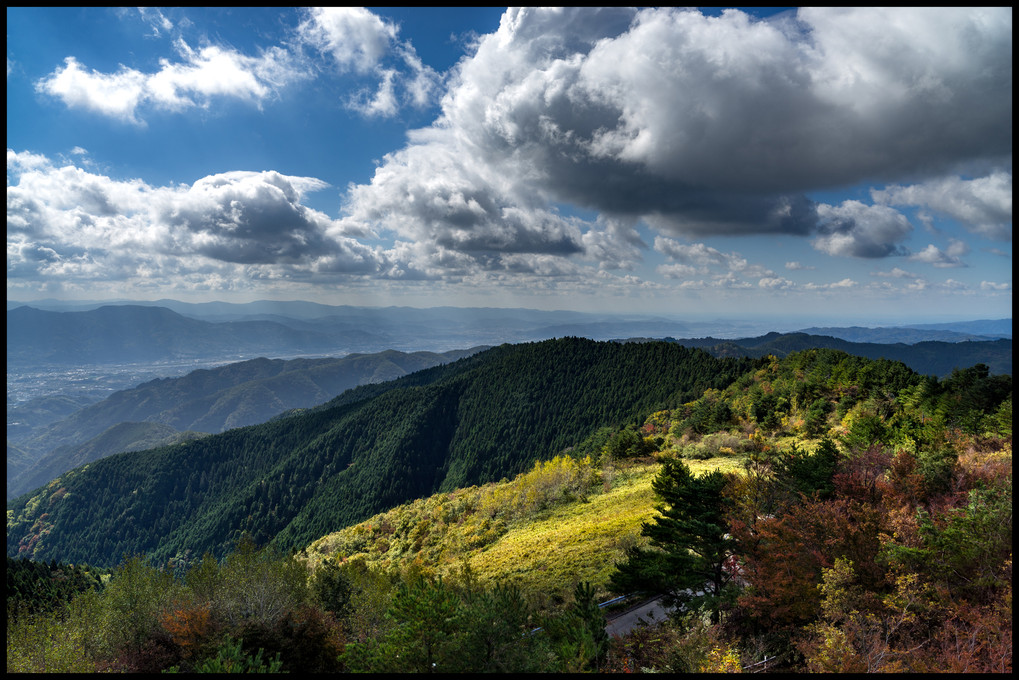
(295, 479)
(211, 400)
(118, 438)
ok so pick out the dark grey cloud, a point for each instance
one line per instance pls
(705, 125)
(854, 229)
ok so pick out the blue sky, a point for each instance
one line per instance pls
(838, 164)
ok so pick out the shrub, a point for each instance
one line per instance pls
(303, 640)
(231, 658)
(41, 644)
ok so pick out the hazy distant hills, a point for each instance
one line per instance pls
(18, 460)
(930, 358)
(993, 327)
(208, 401)
(116, 333)
(79, 333)
(42, 411)
(909, 335)
(133, 333)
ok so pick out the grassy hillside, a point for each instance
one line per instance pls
(562, 522)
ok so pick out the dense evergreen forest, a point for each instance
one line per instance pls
(39, 587)
(294, 479)
(855, 516)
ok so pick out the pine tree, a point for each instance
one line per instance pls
(689, 542)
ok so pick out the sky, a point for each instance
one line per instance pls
(840, 163)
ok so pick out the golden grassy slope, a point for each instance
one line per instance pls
(564, 521)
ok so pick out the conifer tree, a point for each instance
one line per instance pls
(689, 542)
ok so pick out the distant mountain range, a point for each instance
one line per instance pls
(167, 330)
(133, 333)
(930, 357)
(96, 333)
(993, 327)
(910, 335)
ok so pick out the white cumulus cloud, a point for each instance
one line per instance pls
(854, 229)
(360, 41)
(697, 125)
(198, 77)
(982, 205)
(66, 220)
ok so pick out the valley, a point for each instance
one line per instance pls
(31, 389)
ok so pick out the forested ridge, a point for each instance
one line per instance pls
(294, 479)
(206, 400)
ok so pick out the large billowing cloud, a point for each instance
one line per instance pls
(84, 226)
(699, 126)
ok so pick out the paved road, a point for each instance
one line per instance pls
(649, 612)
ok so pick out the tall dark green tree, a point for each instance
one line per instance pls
(798, 473)
(689, 543)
